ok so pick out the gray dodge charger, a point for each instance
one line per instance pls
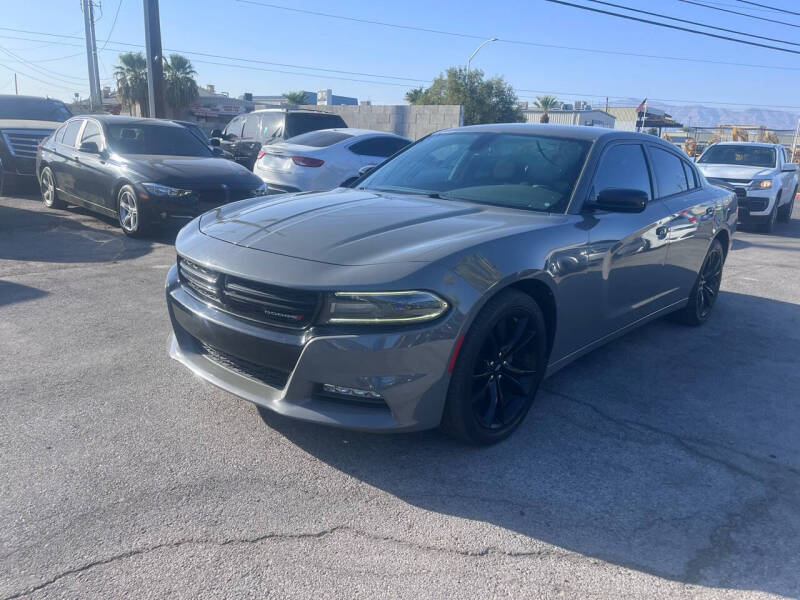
(443, 286)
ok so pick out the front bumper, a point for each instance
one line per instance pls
(162, 208)
(407, 367)
(754, 206)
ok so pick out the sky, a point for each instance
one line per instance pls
(569, 52)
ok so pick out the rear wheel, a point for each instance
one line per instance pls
(129, 212)
(498, 371)
(704, 294)
(47, 184)
(785, 211)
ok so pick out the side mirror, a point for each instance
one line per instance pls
(789, 167)
(216, 150)
(366, 170)
(213, 141)
(89, 148)
(216, 133)
(621, 200)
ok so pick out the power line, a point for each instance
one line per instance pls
(654, 14)
(113, 24)
(734, 12)
(50, 83)
(676, 27)
(45, 72)
(783, 10)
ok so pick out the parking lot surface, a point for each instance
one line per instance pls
(666, 464)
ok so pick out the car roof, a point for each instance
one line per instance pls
(757, 144)
(22, 97)
(576, 132)
(288, 110)
(125, 120)
(355, 132)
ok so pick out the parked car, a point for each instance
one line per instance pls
(198, 132)
(24, 122)
(454, 277)
(246, 134)
(324, 159)
(763, 177)
(141, 171)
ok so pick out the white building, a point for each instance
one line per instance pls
(592, 117)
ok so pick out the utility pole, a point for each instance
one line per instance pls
(91, 55)
(155, 64)
(16, 88)
(469, 60)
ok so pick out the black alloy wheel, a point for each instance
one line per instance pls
(705, 292)
(498, 370)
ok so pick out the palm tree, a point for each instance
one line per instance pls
(296, 98)
(546, 103)
(180, 86)
(414, 95)
(131, 76)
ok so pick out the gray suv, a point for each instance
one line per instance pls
(244, 136)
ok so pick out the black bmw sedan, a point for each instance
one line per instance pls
(141, 171)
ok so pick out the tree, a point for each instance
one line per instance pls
(180, 86)
(546, 103)
(484, 100)
(413, 95)
(131, 76)
(299, 97)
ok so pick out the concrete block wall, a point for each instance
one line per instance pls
(412, 122)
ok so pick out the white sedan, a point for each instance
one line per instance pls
(324, 159)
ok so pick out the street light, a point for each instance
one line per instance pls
(469, 60)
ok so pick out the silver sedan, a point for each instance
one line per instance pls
(444, 286)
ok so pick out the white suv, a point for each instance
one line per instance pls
(764, 179)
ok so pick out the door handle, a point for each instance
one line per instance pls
(662, 232)
(710, 210)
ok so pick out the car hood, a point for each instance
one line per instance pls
(28, 124)
(734, 171)
(190, 172)
(360, 227)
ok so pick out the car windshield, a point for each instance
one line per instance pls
(137, 138)
(751, 156)
(297, 123)
(532, 172)
(319, 139)
(34, 109)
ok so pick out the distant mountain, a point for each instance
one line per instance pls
(704, 116)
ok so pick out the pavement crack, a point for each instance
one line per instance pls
(486, 551)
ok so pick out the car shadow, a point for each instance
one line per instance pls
(68, 236)
(672, 450)
(11, 293)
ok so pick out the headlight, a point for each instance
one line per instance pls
(761, 184)
(261, 190)
(156, 189)
(383, 307)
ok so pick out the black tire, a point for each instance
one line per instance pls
(769, 224)
(705, 291)
(498, 370)
(6, 185)
(47, 185)
(129, 212)
(785, 211)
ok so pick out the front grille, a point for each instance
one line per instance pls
(272, 377)
(741, 193)
(218, 197)
(251, 300)
(24, 142)
(730, 180)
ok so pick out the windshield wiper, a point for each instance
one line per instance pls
(409, 191)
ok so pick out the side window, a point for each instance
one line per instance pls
(59, 136)
(382, 146)
(270, 125)
(233, 130)
(71, 132)
(669, 172)
(91, 133)
(623, 167)
(252, 127)
(691, 176)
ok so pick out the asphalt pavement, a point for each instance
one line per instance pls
(666, 464)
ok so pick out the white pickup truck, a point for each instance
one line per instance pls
(764, 179)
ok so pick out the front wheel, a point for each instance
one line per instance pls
(499, 367)
(704, 294)
(785, 211)
(769, 224)
(129, 212)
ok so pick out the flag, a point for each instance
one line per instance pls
(642, 107)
